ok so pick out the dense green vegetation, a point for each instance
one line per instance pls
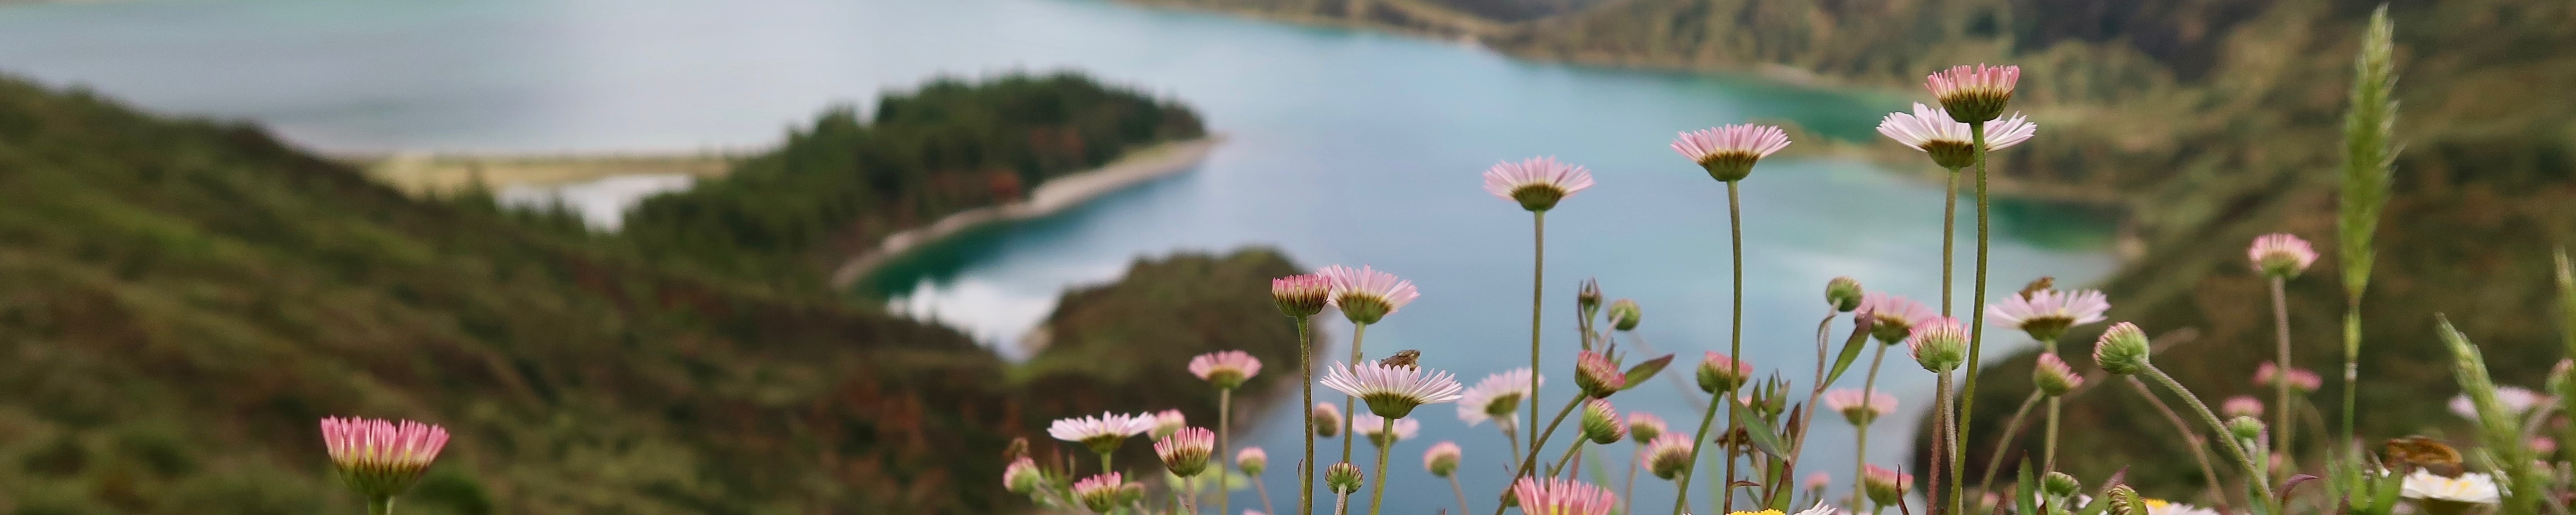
(181, 300)
(2208, 122)
(838, 187)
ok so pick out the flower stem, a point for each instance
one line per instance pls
(380, 505)
(2281, 381)
(2199, 447)
(1681, 487)
(1104, 462)
(1967, 398)
(1530, 461)
(2253, 472)
(1341, 504)
(1257, 486)
(1628, 493)
(1735, 347)
(1510, 440)
(1189, 503)
(1949, 232)
(1350, 408)
(1306, 403)
(1570, 451)
(1538, 289)
(2048, 455)
(1860, 438)
(1224, 414)
(1461, 491)
(2012, 428)
(1378, 492)
(1947, 429)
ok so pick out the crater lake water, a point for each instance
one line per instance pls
(1345, 146)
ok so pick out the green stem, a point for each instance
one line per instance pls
(1306, 400)
(1190, 503)
(2351, 364)
(380, 506)
(1570, 451)
(1530, 462)
(2012, 428)
(1949, 232)
(1224, 414)
(2281, 381)
(1264, 490)
(1104, 462)
(1735, 347)
(1460, 491)
(2199, 447)
(1944, 428)
(2253, 472)
(1681, 488)
(1860, 441)
(1538, 289)
(1341, 504)
(1628, 493)
(2048, 457)
(1976, 333)
(1378, 492)
(1350, 406)
(1510, 440)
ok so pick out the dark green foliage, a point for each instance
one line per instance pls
(838, 187)
(181, 300)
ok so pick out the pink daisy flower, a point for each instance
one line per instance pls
(1101, 432)
(1892, 317)
(1442, 459)
(1537, 183)
(1949, 142)
(1365, 294)
(1562, 497)
(1858, 408)
(1728, 152)
(1186, 451)
(1667, 455)
(2300, 379)
(2046, 314)
(1939, 344)
(1974, 93)
(1497, 397)
(1301, 295)
(381, 458)
(1597, 375)
(1225, 369)
(1392, 391)
(2281, 255)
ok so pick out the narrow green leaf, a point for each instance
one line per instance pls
(1762, 436)
(1638, 375)
(1859, 341)
(2026, 495)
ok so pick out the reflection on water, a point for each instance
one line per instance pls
(602, 202)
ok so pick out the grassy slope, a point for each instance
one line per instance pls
(180, 300)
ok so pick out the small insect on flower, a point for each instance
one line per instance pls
(1407, 358)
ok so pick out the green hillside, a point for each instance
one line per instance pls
(836, 188)
(180, 300)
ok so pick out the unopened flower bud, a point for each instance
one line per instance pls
(1597, 375)
(1885, 487)
(2280, 255)
(1442, 459)
(1720, 373)
(1252, 460)
(1843, 293)
(1816, 481)
(1186, 452)
(1342, 478)
(2125, 501)
(2246, 428)
(2059, 484)
(1601, 423)
(1940, 344)
(1102, 493)
(2053, 377)
(1022, 476)
(1300, 295)
(1644, 427)
(1588, 298)
(1328, 420)
(1667, 455)
(2122, 350)
(1624, 314)
(1129, 494)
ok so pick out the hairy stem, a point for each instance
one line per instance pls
(2012, 428)
(380, 506)
(1224, 413)
(2253, 471)
(1350, 408)
(1681, 487)
(1538, 297)
(1735, 345)
(1378, 492)
(2199, 446)
(1306, 404)
(1461, 491)
(1967, 397)
(1860, 440)
(2281, 428)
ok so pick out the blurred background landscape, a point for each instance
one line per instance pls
(831, 256)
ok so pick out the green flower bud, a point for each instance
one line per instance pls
(2122, 350)
(1624, 314)
(1843, 293)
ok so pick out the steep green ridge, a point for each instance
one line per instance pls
(180, 301)
(2208, 122)
(838, 187)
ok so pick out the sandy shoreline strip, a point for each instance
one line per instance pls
(1052, 196)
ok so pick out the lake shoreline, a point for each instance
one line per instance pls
(1050, 197)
